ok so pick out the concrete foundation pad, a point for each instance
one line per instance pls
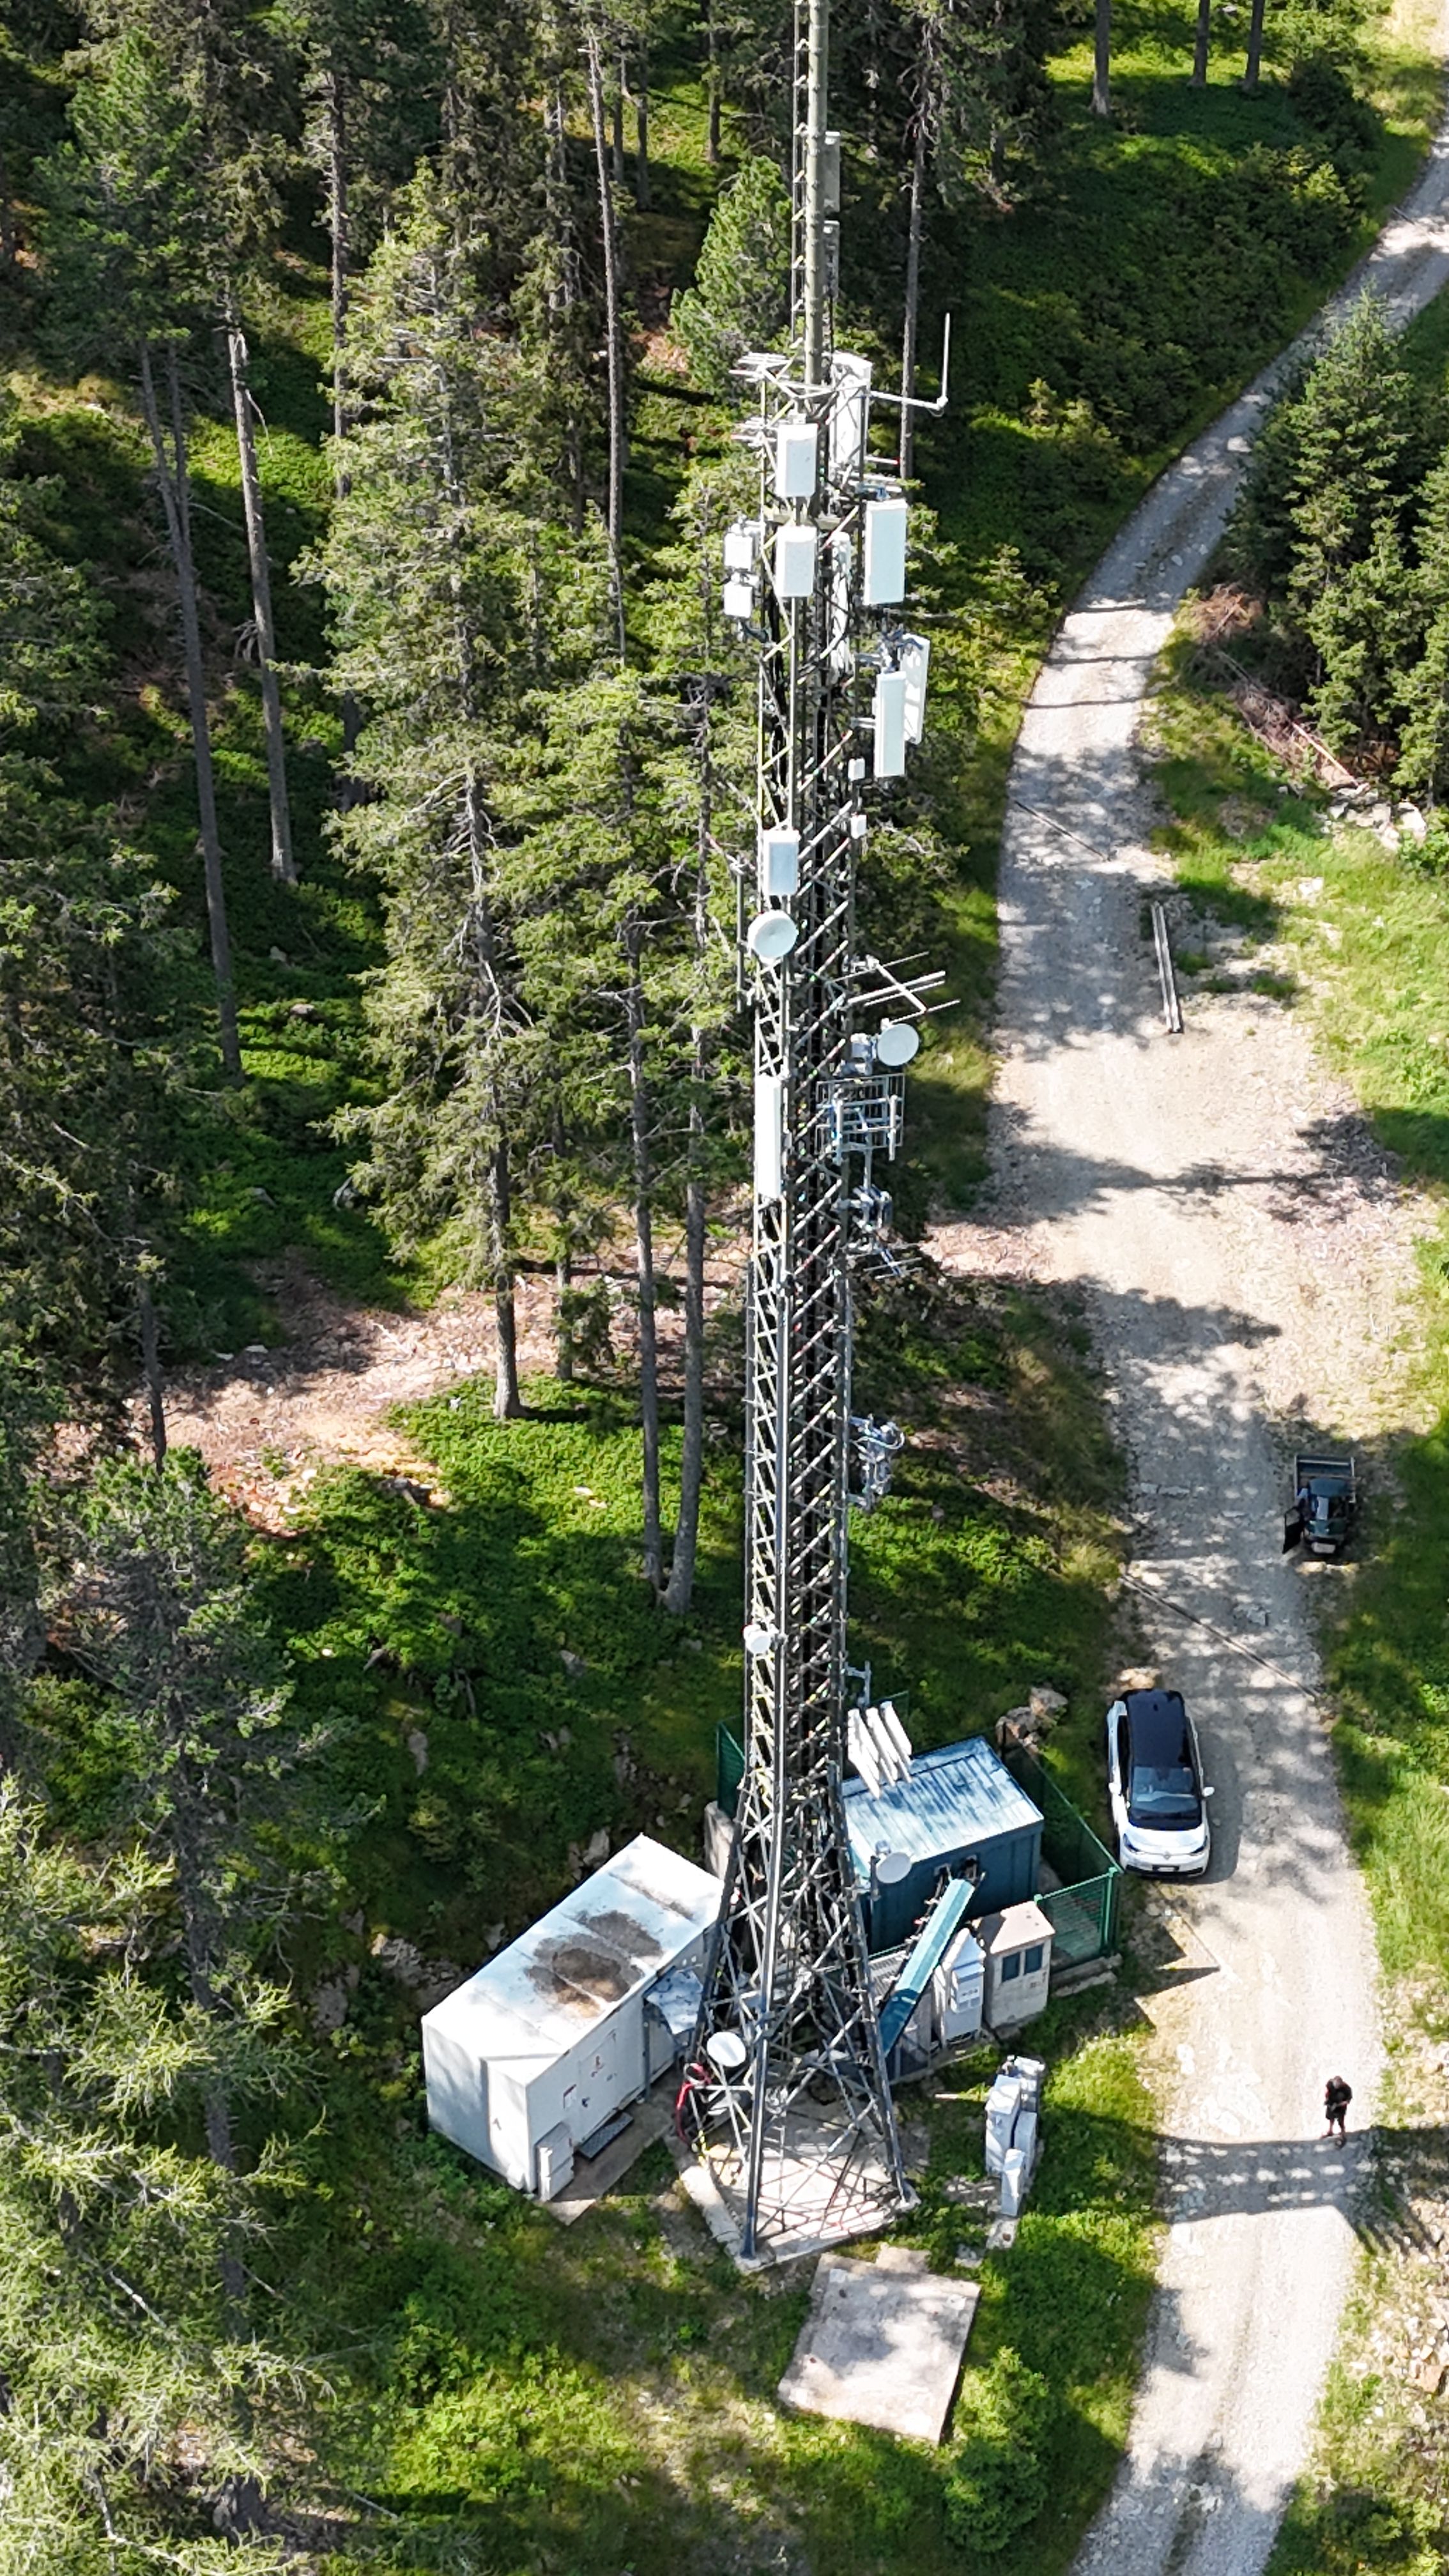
(808, 2207)
(882, 2345)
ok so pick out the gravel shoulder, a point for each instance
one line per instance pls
(1242, 1251)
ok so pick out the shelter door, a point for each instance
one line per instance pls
(600, 2076)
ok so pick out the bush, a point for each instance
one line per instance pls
(1327, 100)
(996, 2477)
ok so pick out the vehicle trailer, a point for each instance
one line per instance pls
(1324, 1509)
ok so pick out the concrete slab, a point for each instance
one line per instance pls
(810, 2211)
(882, 2345)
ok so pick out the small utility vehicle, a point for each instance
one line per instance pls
(1324, 1509)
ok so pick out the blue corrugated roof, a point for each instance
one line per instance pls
(961, 1795)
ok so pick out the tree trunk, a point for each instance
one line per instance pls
(713, 85)
(283, 863)
(339, 226)
(616, 122)
(175, 501)
(1102, 61)
(641, 131)
(201, 1960)
(614, 335)
(1255, 48)
(913, 291)
(644, 1263)
(8, 243)
(691, 1461)
(563, 1330)
(1200, 48)
(151, 1369)
(338, 222)
(559, 214)
(491, 1007)
(507, 1402)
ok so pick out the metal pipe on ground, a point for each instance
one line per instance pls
(1171, 1006)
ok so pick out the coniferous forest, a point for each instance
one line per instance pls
(375, 770)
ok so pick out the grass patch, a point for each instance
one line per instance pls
(508, 1620)
(603, 2397)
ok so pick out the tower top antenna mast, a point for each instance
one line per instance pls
(812, 144)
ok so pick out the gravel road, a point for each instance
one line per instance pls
(1240, 1247)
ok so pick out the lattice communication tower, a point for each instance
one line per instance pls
(787, 2095)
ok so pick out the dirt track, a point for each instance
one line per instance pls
(1241, 1248)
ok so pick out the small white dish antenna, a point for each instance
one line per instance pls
(771, 936)
(896, 1043)
(758, 1640)
(726, 2052)
(891, 1867)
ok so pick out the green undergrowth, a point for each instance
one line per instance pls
(603, 2398)
(503, 1689)
(505, 1617)
(1365, 934)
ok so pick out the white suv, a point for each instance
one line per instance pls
(1155, 1785)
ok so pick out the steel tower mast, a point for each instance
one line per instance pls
(787, 2096)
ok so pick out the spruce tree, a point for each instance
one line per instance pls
(451, 595)
(219, 65)
(135, 2417)
(1424, 681)
(160, 1610)
(1352, 431)
(708, 786)
(740, 296)
(591, 882)
(92, 1035)
(128, 254)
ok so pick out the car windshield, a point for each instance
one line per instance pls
(1163, 1795)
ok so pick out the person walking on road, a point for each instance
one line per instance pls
(1336, 2098)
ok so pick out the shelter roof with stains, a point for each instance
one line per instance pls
(609, 1938)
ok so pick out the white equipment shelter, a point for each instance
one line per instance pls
(528, 2060)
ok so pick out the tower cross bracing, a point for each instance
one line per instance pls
(787, 2092)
